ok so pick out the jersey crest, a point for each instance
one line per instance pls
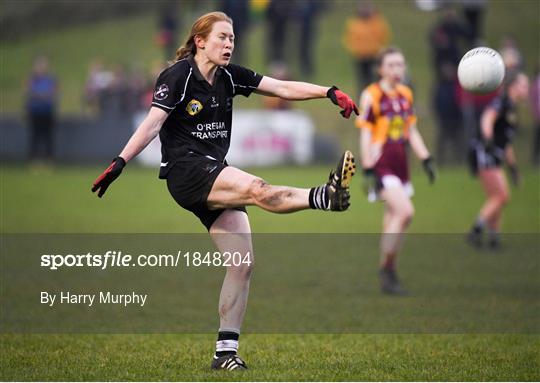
(193, 107)
(161, 92)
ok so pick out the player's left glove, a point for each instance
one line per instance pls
(514, 174)
(429, 167)
(343, 101)
(108, 176)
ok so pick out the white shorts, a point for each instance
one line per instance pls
(390, 181)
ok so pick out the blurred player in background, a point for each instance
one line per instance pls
(192, 113)
(387, 123)
(492, 148)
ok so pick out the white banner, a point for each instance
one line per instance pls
(259, 138)
(265, 138)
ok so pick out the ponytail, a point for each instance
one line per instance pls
(187, 49)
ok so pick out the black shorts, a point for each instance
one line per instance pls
(190, 181)
(480, 158)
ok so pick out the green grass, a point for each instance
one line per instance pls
(58, 200)
(504, 286)
(273, 357)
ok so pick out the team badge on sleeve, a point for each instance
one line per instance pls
(193, 107)
(162, 92)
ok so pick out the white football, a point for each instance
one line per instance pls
(481, 70)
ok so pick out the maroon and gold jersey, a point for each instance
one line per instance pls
(389, 114)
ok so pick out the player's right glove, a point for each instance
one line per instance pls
(369, 181)
(429, 167)
(108, 176)
(343, 101)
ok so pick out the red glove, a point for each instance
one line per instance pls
(343, 101)
(108, 176)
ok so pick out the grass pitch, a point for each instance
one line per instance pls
(347, 357)
(59, 201)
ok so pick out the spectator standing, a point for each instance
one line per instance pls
(238, 10)
(168, 29)
(445, 38)
(307, 12)
(278, 15)
(41, 103)
(366, 34)
(473, 11)
(98, 83)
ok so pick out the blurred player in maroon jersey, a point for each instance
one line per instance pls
(387, 123)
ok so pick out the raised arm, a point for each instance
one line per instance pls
(291, 90)
(296, 91)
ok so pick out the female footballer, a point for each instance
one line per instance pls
(387, 125)
(192, 113)
(490, 150)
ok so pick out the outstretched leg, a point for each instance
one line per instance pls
(234, 187)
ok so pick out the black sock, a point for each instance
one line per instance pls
(318, 198)
(227, 343)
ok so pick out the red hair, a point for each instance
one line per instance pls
(201, 27)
